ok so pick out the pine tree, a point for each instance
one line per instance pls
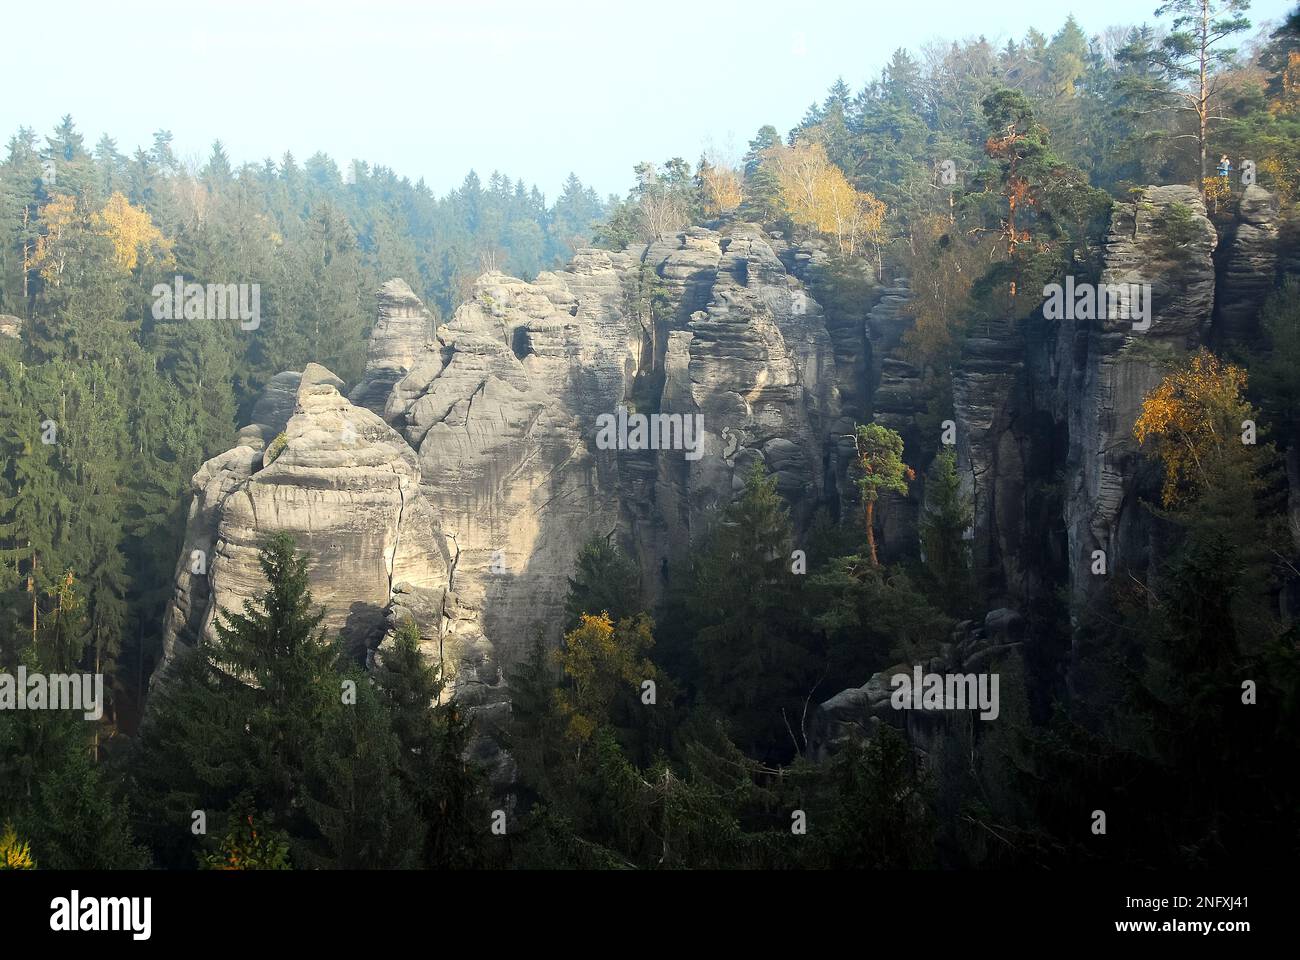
(762, 193)
(59, 798)
(873, 812)
(880, 469)
(22, 190)
(355, 798)
(74, 167)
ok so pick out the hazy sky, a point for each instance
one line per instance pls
(534, 88)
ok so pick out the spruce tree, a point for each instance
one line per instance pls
(945, 519)
(433, 734)
(276, 647)
(605, 581)
(750, 659)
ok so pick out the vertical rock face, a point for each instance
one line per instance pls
(501, 416)
(272, 410)
(1164, 239)
(1053, 406)
(1249, 268)
(344, 485)
(895, 398)
(846, 306)
(456, 483)
(756, 362)
(187, 614)
(987, 406)
(504, 413)
(1078, 382)
(400, 335)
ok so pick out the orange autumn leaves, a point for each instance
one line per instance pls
(1194, 421)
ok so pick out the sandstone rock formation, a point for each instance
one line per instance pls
(1250, 263)
(1122, 364)
(1049, 404)
(974, 647)
(455, 484)
(339, 480)
(987, 405)
(400, 335)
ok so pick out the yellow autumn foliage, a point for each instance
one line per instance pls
(722, 190)
(820, 198)
(129, 229)
(943, 263)
(1216, 191)
(1288, 99)
(598, 658)
(14, 855)
(1283, 177)
(132, 233)
(1191, 419)
(60, 216)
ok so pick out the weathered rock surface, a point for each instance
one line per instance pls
(458, 482)
(344, 485)
(400, 335)
(974, 648)
(273, 409)
(187, 614)
(501, 417)
(1121, 365)
(11, 326)
(1044, 411)
(1249, 268)
(988, 409)
(1053, 400)
(896, 397)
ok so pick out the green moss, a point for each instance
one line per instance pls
(1146, 350)
(274, 449)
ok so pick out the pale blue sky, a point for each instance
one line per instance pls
(535, 88)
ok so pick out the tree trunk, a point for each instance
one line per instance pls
(1202, 105)
(871, 532)
(94, 750)
(31, 585)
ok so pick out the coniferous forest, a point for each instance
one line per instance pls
(922, 452)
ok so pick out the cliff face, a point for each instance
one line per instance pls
(1248, 266)
(1120, 363)
(400, 336)
(337, 478)
(1044, 418)
(456, 483)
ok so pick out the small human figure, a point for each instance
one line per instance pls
(1225, 166)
